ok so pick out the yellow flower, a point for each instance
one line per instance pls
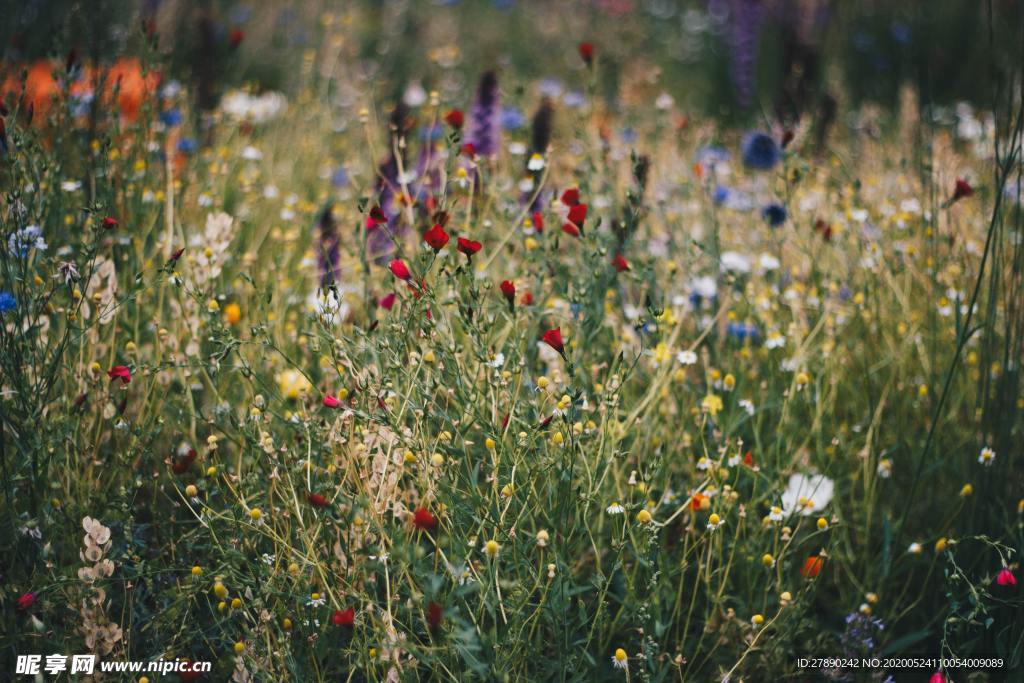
(644, 517)
(220, 590)
(293, 383)
(822, 523)
(239, 648)
(940, 545)
(191, 491)
(711, 404)
(197, 570)
(492, 548)
(966, 490)
(255, 514)
(757, 619)
(767, 560)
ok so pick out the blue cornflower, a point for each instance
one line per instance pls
(774, 214)
(742, 331)
(171, 117)
(21, 242)
(339, 178)
(7, 302)
(629, 135)
(512, 118)
(187, 145)
(721, 195)
(760, 152)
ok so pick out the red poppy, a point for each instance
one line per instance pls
(553, 338)
(26, 601)
(423, 520)
(434, 615)
(961, 190)
(454, 118)
(748, 459)
(317, 500)
(468, 150)
(109, 223)
(697, 500)
(400, 270)
(436, 237)
(570, 229)
(586, 51)
(235, 37)
(331, 402)
(387, 301)
(376, 217)
(527, 299)
(812, 566)
(571, 197)
(120, 372)
(469, 247)
(538, 221)
(183, 464)
(578, 214)
(508, 290)
(620, 263)
(344, 617)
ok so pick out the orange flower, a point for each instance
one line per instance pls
(812, 566)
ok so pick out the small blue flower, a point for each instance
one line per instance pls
(742, 331)
(629, 135)
(721, 195)
(775, 214)
(574, 99)
(171, 117)
(7, 302)
(21, 242)
(431, 133)
(760, 152)
(512, 118)
(339, 178)
(900, 32)
(187, 145)
(712, 154)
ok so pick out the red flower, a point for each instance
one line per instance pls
(331, 402)
(182, 465)
(423, 520)
(468, 150)
(538, 221)
(527, 299)
(400, 270)
(1006, 577)
(434, 615)
(578, 214)
(26, 601)
(120, 372)
(177, 255)
(812, 566)
(961, 190)
(570, 229)
(571, 197)
(109, 223)
(586, 53)
(553, 338)
(937, 677)
(469, 247)
(436, 237)
(344, 617)
(620, 263)
(508, 290)
(376, 217)
(317, 500)
(387, 301)
(235, 37)
(454, 118)
(748, 459)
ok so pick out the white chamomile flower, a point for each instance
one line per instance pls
(615, 509)
(536, 163)
(987, 456)
(775, 514)
(620, 659)
(686, 357)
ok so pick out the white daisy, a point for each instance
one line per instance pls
(615, 509)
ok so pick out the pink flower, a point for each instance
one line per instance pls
(331, 401)
(1006, 577)
(120, 372)
(937, 677)
(26, 601)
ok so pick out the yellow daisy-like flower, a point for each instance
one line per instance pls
(712, 404)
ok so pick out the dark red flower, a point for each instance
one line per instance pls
(423, 520)
(182, 465)
(1006, 577)
(553, 338)
(377, 216)
(508, 290)
(468, 150)
(331, 402)
(26, 601)
(400, 270)
(620, 263)
(578, 214)
(344, 617)
(961, 190)
(454, 118)
(317, 500)
(527, 299)
(434, 615)
(387, 301)
(177, 255)
(469, 247)
(571, 197)
(109, 223)
(538, 221)
(436, 237)
(120, 372)
(586, 51)
(235, 37)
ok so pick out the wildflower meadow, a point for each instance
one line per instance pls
(612, 340)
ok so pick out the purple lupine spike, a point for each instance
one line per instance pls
(380, 242)
(485, 118)
(329, 256)
(429, 164)
(745, 25)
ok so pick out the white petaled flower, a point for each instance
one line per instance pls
(268, 559)
(987, 456)
(536, 163)
(747, 405)
(686, 357)
(884, 468)
(316, 600)
(71, 185)
(29, 237)
(615, 509)
(620, 659)
(497, 361)
(704, 464)
(807, 494)
(735, 262)
(714, 521)
(775, 514)
(914, 549)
